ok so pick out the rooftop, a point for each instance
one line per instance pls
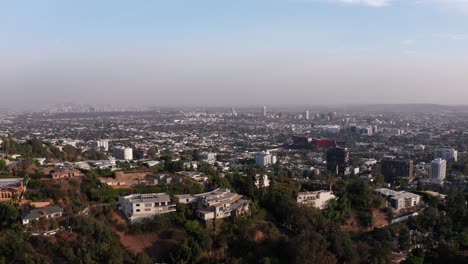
(148, 198)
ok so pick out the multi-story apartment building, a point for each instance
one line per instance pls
(338, 160)
(446, 154)
(218, 204)
(317, 199)
(399, 199)
(100, 144)
(438, 169)
(394, 169)
(121, 153)
(136, 207)
(265, 159)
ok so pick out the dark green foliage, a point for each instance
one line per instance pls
(8, 214)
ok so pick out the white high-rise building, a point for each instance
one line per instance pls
(446, 154)
(123, 153)
(233, 111)
(264, 111)
(307, 113)
(265, 159)
(101, 144)
(438, 169)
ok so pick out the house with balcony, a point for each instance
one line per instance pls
(137, 207)
(220, 203)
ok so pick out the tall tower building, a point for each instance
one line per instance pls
(307, 115)
(264, 111)
(438, 169)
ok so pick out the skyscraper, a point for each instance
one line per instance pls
(307, 115)
(264, 111)
(438, 169)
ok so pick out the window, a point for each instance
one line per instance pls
(137, 205)
(147, 210)
(138, 210)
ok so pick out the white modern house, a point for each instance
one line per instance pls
(136, 207)
(317, 199)
(217, 204)
(399, 199)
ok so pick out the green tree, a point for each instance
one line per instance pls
(8, 214)
(3, 165)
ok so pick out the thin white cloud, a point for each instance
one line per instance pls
(374, 3)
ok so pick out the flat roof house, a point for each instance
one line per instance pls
(220, 203)
(317, 199)
(136, 207)
(399, 199)
(64, 173)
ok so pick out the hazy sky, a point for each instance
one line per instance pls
(214, 52)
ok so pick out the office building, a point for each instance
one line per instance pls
(137, 207)
(395, 169)
(338, 160)
(307, 115)
(446, 154)
(122, 153)
(264, 111)
(438, 169)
